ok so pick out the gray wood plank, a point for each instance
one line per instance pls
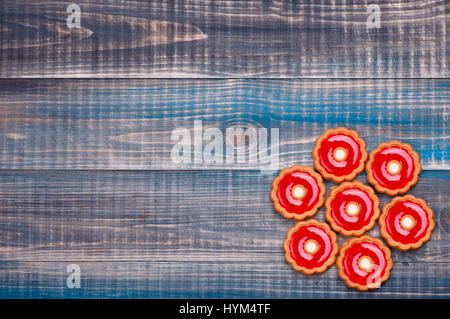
(127, 124)
(197, 38)
(167, 216)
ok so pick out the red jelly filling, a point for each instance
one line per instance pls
(298, 192)
(311, 246)
(352, 209)
(364, 263)
(407, 222)
(404, 167)
(340, 154)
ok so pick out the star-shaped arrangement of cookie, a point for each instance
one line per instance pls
(352, 208)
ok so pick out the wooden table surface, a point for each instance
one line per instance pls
(86, 117)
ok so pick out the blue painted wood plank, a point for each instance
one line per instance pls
(198, 38)
(210, 280)
(127, 124)
(181, 234)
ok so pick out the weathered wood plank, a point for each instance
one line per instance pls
(215, 216)
(180, 234)
(210, 280)
(127, 124)
(197, 38)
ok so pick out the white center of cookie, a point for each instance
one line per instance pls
(311, 247)
(365, 263)
(393, 167)
(407, 222)
(339, 154)
(298, 192)
(352, 209)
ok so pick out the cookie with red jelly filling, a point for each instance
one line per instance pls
(339, 154)
(393, 168)
(298, 192)
(311, 247)
(352, 208)
(364, 263)
(406, 222)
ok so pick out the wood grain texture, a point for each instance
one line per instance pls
(196, 38)
(86, 175)
(181, 234)
(210, 280)
(127, 124)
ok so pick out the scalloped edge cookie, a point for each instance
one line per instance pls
(340, 267)
(392, 192)
(282, 210)
(322, 171)
(382, 222)
(332, 195)
(333, 254)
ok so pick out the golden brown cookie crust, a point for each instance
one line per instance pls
(316, 270)
(340, 267)
(373, 181)
(391, 242)
(276, 202)
(356, 184)
(322, 171)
